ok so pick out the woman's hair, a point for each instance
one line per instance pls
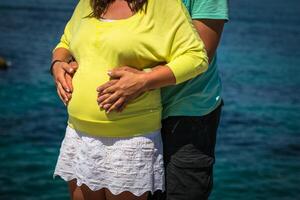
(100, 6)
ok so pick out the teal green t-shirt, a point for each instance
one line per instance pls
(202, 94)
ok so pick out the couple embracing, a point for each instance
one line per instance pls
(140, 83)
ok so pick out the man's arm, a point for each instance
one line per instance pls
(62, 71)
(210, 31)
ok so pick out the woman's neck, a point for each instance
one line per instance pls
(119, 9)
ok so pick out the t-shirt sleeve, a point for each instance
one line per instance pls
(187, 57)
(67, 34)
(209, 9)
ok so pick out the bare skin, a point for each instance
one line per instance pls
(124, 196)
(84, 193)
(63, 73)
(128, 83)
(210, 31)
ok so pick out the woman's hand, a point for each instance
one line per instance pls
(126, 84)
(62, 75)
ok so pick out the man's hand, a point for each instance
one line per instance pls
(62, 75)
(126, 84)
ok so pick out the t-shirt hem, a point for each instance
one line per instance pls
(202, 112)
(210, 16)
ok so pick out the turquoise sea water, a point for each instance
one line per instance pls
(258, 147)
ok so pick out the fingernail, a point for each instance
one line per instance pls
(71, 69)
(68, 90)
(109, 73)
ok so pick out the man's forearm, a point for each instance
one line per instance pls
(61, 54)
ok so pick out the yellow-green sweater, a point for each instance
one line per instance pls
(162, 32)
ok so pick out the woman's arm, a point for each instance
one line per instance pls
(128, 83)
(210, 32)
(185, 56)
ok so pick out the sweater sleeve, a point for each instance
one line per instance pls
(69, 28)
(187, 56)
(65, 38)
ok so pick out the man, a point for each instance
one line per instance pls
(191, 110)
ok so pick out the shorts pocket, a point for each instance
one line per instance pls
(189, 174)
(190, 157)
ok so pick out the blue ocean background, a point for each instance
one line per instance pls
(258, 144)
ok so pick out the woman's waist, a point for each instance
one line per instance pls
(140, 116)
(84, 105)
(109, 126)
(97, 115)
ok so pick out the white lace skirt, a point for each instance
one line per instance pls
(133, 164)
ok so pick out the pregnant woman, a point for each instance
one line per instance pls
(118, 155)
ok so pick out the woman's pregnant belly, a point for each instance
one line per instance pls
(83, 104)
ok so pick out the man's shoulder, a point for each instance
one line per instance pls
(207, 9)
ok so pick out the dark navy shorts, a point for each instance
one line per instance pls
(189, 156)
